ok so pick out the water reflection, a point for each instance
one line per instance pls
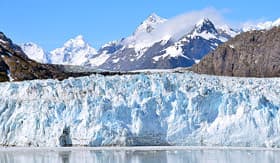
(120, 156)
(65, 156)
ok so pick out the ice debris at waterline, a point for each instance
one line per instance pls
(143, 109)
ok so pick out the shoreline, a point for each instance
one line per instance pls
(132, 148)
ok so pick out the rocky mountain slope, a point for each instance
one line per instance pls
(147, 48)
(251, 54)
(16, 66)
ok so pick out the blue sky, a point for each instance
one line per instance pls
(50, 23)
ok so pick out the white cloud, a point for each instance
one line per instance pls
(182, 24)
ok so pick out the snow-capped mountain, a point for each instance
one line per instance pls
(15, 65)
(35, 52)
(250, 54)
(144, 36)
(261, 26)
(147, 49)
(103, 54)
(148, 25)
(156, 43)
(74, 52)
(200, 41)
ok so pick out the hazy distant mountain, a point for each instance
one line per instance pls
(260, 26)
(35, 52)
(74, 52)
(15, 65)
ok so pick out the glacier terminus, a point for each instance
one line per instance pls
(142, 109)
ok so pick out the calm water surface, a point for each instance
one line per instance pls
(140, 156)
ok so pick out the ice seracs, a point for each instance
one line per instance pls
(144, 109)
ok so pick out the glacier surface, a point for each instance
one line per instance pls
(144, 109)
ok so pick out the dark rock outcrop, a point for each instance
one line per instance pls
(65, 139)
(250, 54)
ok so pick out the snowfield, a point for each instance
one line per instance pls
(146, 109)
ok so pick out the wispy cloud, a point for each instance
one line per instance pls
(183, 23)
(176, 27)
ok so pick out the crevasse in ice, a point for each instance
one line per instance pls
(145, 109)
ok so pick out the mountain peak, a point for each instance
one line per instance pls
(154, 18)
(79, 37)
(150, 23)
(3, 39)
(203, 21)
(74, 52)
(205, 24)
(16, 66)
(78, 41)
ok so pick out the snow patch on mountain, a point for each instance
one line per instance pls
(99, 60)
(171, 52)
(10, 76)
(227, 30)
(2, 41)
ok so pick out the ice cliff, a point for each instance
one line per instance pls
(144, 109)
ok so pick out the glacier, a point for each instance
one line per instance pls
(162, 108)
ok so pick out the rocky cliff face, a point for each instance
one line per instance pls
(16, 66)
(250, 54)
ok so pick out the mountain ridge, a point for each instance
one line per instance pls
(147, 48)
(15, 65)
